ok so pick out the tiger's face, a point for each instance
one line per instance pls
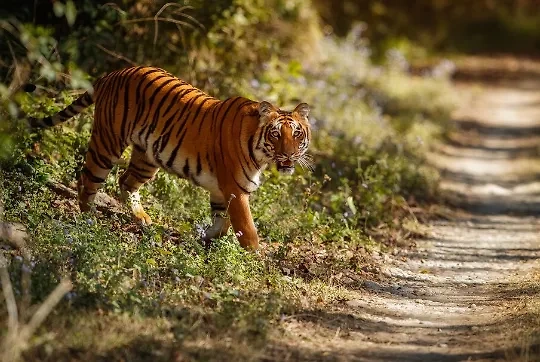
(286, 136)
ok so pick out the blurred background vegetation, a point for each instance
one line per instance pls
(207, 37)
(432, 26)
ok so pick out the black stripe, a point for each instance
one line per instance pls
(161, 103)
(252, 152)
(241, 187)
(143, 111)
(83, 101)
(180, 129)
(187, 107)
(208, 162)
(107, 140)
(48, 121)
(185, 170)
(247, 176)
(169, 124)
(139, 149)
(213, 117)
(155, 120)
(223, 120)
(127, 74)
(99, 160)
(141, 82)
(176, 95)
(175, 151)
(88, 99)
(241, 151)
(111, 102)
(199, 165)
(139, 177)
(164, 138)
(215, 206)
(199, 107)
(158, 89)
(140, 100)
(203, 120)
(140, 170)
(174, 100)
(95, 158)
(93, 178)
(126, 79)
(63, 115)
(151, 128)
(126, 109)
(264, 133)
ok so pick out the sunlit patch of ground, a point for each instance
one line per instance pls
(466, 292)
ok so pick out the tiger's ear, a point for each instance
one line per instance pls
(266, 109)
(303, 110)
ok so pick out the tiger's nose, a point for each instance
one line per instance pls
(287, 154)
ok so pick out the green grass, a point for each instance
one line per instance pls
(154, 293)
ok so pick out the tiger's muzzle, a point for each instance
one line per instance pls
(285, 166)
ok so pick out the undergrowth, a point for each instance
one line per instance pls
(154, 293)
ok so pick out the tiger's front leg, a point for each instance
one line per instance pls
(236, 205)
(242, 221)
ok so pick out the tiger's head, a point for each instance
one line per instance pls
(286, 136)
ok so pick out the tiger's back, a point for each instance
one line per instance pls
(222, 146)
(172, 121)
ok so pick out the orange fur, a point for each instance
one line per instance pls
(222, 146)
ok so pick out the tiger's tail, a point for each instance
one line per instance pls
(73, 109)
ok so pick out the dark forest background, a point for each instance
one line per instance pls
(204, 37)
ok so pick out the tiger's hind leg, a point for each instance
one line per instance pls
(220, 219)
(96, 167)
(139, 172)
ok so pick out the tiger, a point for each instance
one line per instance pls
(220, 145)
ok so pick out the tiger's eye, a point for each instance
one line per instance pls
(297, 133)
(274, 133)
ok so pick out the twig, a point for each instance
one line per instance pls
(18, 333)
(177, 22)
(167, 20)
(13, 316)
(116, 55)
(45, 309)
(17, 338)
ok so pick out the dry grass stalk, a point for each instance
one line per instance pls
(19, 333)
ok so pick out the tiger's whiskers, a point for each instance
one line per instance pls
(306, 162)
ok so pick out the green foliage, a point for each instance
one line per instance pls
(481, 26)
(196, 39)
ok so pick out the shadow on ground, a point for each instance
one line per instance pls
(454, 298)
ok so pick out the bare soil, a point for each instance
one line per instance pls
(463, 294)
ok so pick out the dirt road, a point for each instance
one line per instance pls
(458, 296)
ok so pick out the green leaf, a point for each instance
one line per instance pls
(295, 68)
(351, 205)
(71, 12)
(151, 262)
(165, 252)
(58, 8)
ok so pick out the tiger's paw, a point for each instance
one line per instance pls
(142, 218)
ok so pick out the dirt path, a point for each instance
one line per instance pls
(455, 297)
